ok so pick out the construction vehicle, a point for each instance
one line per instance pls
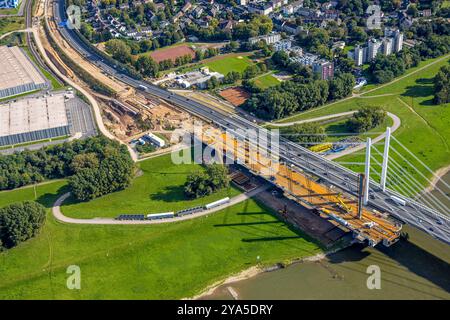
(341, 204)
(321, 147)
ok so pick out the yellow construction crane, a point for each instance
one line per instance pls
(342, 204)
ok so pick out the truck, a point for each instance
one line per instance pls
(399, 201)
(217, 203)
(163, 215)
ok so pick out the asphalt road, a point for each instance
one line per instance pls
(56, 210)
(416, 214)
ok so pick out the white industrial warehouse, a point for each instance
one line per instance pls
(33, 119)
(17, 74)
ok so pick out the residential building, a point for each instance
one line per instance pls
(398, 41)
(260, 8)
(283, 45)
(324, 68)
(269, 39)
(373, 47)
(388, 45)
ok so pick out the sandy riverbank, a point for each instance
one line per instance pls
(253, 271)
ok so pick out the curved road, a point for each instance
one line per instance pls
(362, 94)
(395, 126)
(413, 213)
(56, 210)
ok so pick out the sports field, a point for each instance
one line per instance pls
(235, 95)
(266, 81)
(228, 64)
(143, 262)
(172, 53)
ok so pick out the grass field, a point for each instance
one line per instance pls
(158, 189)
(143, 262)
(338, 130)
(11, 24)
(425, 128)
(265, 81)
(56, 85)
(228, 64)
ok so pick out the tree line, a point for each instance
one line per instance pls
(291, 96)
(97, 166)
(442, 86)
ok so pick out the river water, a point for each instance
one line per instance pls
(417, 268)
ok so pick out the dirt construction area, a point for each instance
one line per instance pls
(118, 87)
(236, 96)
(129, 119)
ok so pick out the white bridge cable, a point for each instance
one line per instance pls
(428, 201)
(390, 207)
(405, 190)
(395, 168)
(401, 172)
(415, 169)
(421, 162)
(437, 203)
(420, 173)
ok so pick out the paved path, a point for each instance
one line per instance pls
(15, 31)
(331, 116)
(56, 210)
(395, 126)
(355, 95)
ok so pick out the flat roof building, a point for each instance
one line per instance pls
(33, 119)
(17, 74)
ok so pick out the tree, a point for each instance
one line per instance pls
(146, 66)
(365, 119)
(203, 183)
(114, 173)
(119, 50)
(306, 133)
(20, 222)
(442, 86)
(54, 162)
(83, 161)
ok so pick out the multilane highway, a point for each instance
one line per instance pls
(413, 213)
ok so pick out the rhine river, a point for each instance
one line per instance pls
(417, 268)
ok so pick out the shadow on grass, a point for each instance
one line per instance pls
(48, 199)
(271, 238)
(418, 91)
(169, 194)
(257, 234)
(246, 223)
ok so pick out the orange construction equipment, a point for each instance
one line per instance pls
(371, 226)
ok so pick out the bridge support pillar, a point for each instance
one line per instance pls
(361, 184)
(384, 168)
(367, 171)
